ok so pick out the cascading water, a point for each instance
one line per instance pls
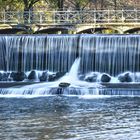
(102, 58)
(112, 54)
(24, 53)
(77, 87)
(72, 76)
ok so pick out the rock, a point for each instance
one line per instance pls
(56, 76)
(52, 77)
(44, 76)
(91, 77)
(64, 85)
(105, 78)
(81, 77)
(0, 76)
(32, 75)
(4, 76)
(59, 75)
(18, 76)
(125, 77)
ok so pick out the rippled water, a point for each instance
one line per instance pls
(73, 118)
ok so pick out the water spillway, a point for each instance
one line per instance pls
(24, 53)
(112, 54)
(101, 59)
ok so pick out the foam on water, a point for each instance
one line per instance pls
(76, 87)
(72, 76)
(110, 54)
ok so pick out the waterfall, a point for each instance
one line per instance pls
(99, 58)
(72, 76)
(76, 87)
(24, 53)
(112, 54)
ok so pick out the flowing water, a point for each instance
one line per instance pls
(48, 88)
(71, 118)
(83, 110)
(112, 54)
(56, 53)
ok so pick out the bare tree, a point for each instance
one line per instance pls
(28, 7)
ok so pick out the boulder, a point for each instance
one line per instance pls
(4, 76)
(55, 76)
(59, 75)
(18, 76)
(0, 76)
(52, 77)
(125, 77)
(32, 75)
(44, 76)
(105, 77)
(91, 78)
(64, 85)
(81, 77)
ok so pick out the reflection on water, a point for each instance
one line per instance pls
(72, 118)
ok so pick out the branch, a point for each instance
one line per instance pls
(32, 3)
(25, 2)
(85, 5)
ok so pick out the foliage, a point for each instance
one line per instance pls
(78, 4)
(28, 4)
(10, 5)
(68, 4)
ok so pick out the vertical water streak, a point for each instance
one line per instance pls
(3, 63)
(112, 54)
(25, 53)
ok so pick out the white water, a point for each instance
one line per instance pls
(77, 88)
(44, 89)
(104, 54)
(112, 54)
(72, 75)
(53, 53)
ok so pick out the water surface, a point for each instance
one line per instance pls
(72, 118)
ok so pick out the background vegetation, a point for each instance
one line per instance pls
(26, 5)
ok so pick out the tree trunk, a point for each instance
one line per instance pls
(95, 4)
(115, 8)
(61, 8)
(60, 5)
(102, 4)
(26, 15)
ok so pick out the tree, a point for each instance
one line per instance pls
(16, 5)
(10, 5)
(28, 4)
(78, 4)
(56, 4)
(28, 7)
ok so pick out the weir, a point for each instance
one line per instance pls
(49, 58)
(112, 54)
